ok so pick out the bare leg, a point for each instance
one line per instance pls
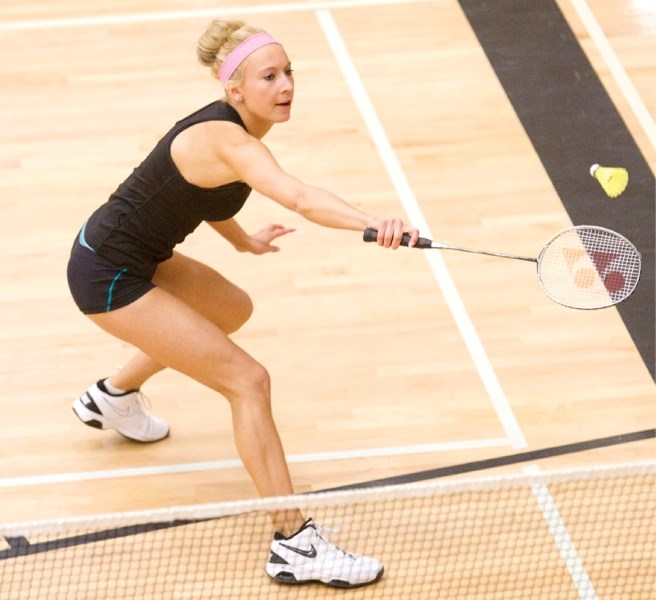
(203, 289)
(171, 332)
(136, 372)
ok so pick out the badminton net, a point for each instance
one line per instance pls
(578, 533)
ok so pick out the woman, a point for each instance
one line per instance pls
(125, 275)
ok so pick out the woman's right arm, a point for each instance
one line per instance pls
(254, 164)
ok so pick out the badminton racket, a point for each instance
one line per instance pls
(585, 266)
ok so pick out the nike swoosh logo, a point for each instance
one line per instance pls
(121, 412)
(311, 553)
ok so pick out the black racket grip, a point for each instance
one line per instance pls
(371, 235)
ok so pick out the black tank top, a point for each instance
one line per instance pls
(155, 208)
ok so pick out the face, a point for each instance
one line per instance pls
(267, 87)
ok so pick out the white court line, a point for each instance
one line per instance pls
(515, 436)
(218, 12)
(30, 480)
(416, 217)
(617, 70)
(585, 14)
(561, 537)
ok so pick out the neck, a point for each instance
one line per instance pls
(256, 127)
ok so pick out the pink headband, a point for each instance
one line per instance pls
(241, 52)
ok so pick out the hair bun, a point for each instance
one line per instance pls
(221, 38)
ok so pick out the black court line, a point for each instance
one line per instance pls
(572, 124)
(20, 546)
(501, 461)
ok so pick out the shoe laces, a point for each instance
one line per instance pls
(332, 527)
(142, 402)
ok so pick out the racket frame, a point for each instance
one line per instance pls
(370, 235)
(579, 228)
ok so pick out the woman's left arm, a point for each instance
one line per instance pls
(257, 243)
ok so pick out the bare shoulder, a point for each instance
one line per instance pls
(202, 152)
(213, 140)
(215, 133)
(225, 139)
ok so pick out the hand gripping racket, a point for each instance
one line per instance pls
(585, 266)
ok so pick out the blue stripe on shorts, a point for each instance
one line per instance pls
(110, 293)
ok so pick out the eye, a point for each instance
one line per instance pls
(269, 77)
(289, 72)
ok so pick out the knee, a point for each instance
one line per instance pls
(260, 380)
(254, 387)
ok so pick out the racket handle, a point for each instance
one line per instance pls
(371, 235)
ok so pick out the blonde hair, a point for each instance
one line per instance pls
(219, 40)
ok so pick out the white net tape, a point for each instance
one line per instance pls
(580, 533)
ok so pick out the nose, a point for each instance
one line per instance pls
(287, 83)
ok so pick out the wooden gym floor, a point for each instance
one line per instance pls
(380, 366)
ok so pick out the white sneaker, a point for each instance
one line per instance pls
(97, 409)
(307, 556)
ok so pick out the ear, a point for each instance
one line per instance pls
(234, 93)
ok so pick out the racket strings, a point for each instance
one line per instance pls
(589, 267)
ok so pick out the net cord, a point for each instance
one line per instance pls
(322, 499)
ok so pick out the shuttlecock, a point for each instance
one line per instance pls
(613, 179)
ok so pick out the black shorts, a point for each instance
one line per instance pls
(97, 285)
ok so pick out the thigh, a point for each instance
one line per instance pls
(174, 334)
(205, 290)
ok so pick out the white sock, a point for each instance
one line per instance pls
(114, 391)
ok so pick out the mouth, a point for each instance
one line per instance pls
(285, 104)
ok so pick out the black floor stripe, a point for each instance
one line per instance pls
(572, 124)
(20, 546)
(501, 461)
